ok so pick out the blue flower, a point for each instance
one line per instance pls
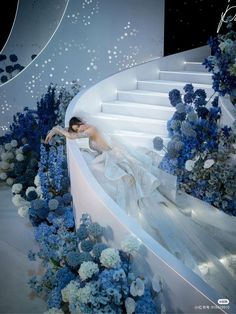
(86, 245)
(55, 298)
(73, 259)
(98, 248)
(158, 143)
(95, 230)
(82, 232)
(13, 58)
(174, 97)
(145, 304)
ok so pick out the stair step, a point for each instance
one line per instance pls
(138, 109)
(113, 122)
(143, 96)
(184, 76)
(194, 66)
(164, 86)
(139, 139)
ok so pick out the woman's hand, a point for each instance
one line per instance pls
(49, 136)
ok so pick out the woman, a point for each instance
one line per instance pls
(124, 174)
(78, 129)
(199, 237)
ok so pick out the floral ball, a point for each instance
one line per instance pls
(86, 245)
(110, 258)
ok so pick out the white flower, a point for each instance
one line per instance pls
(3, 176)
(130, 305)
(110, 258)
(84, 294)
(37, 180)
(208, 163)
(87, 270)
(14, 143)
(9, 181)
(4, 156)
(8, 146)
(130, 245)
(39, 191)
(29, 189)
(19, 201)
(189, 165)
(16, 188)
(137, 287)
(18, 150)
(69, 291)
(23, 211)
(54, 310)
(4, 165)
(20, 157)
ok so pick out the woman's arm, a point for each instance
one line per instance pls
(60, 131)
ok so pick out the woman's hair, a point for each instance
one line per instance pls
(74, 121)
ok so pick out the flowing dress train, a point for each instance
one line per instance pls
(202, 237)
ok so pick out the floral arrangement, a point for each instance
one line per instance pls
(20, 146)
(9, 70)
(84, 275)
(81, 273)
(200, 152)
(222, 62)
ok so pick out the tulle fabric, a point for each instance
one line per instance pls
(199, 235)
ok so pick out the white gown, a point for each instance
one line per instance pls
(199, 235)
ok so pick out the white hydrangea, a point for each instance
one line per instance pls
(16, 188)
(37, 180)
(20, 157)
(130, 305)
(39, 191)
(84, 294)
(189, 165)
(3, 176)
(10, 181)
(14, 143)
(4, 165)
(131, 245)
(8, 146)
(208, 163)
(137, 287)
(29, 189)
(69, 291)
(4, 156)
(87, 270)
(18, 150)
(19, 201)
(110, 258)
(23, 211)
(54, 310)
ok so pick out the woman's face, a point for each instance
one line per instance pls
(77, 127)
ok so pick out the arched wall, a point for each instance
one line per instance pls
(95, 39)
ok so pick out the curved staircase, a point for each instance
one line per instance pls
(134, 105)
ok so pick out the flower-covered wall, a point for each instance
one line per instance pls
(95, 39)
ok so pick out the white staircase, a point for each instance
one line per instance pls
(141, 114)
(135, 104)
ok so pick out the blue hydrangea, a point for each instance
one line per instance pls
(55, 298)
(95, 230)
(145, 304)
(86, 245)
(98, 248)
(82, 232)
(158, 143)
(63, 276)
(73, 259)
